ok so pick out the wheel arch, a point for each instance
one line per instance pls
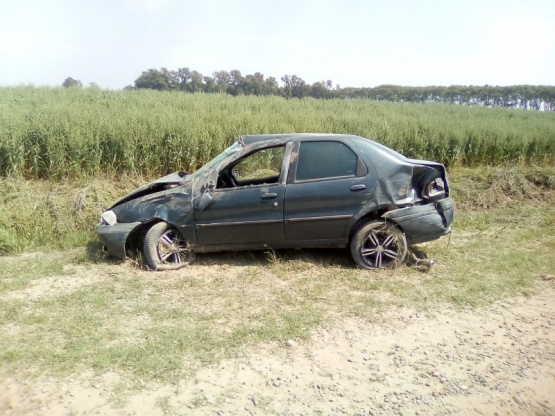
(367, 217)
(135, 239)
(386, 248)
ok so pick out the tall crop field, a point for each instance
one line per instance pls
(57, 132)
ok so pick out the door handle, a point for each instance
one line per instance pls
(359, 187)
(269, 195)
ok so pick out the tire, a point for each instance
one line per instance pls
(164, 249)
(379, 245)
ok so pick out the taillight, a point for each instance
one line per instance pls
(434, 189)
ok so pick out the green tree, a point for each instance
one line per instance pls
(254, 84)
(182, 77)
(154, 79)
(210, 85)
(236, 82)
(70, 82)
(271, 86)
(222, 80)
(196, 82)
(321, 90)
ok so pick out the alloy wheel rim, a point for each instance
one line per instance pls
(171, 249)
(380, 249)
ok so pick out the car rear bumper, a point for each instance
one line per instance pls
(423, 223)
(114, 237)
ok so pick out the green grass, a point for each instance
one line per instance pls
(144, 326)
(70, 311)
(44, 214)
(66, 155)
(58, 133)
(36, 214)
(19, 274)
(165, 326)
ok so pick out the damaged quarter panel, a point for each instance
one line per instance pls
(390, 175)
(394, 174)
(399, 193)
(424, 222)
(432, 213)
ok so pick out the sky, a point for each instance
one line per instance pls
(354, 43)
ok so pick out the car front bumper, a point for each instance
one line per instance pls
(423, 223)
(114, 237)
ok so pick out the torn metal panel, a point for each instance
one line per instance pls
(424, 222)
(172, 205)
(166, 182)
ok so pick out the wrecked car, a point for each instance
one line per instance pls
(277, 191)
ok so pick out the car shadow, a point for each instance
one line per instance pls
(324, 257)
(318, 257)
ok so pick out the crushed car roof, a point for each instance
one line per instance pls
(253, 138)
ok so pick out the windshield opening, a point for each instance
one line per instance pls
(235, 147)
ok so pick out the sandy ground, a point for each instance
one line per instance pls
(494, 361)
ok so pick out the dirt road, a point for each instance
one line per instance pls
(499, 360)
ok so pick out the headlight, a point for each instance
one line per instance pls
(434, 189)
(108, 217)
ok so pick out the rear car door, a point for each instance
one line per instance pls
(326, 186)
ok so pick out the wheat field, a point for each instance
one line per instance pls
(55, 133)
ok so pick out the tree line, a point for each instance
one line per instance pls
(529, 97)
(233, 83)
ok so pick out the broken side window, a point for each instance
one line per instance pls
(261, 167)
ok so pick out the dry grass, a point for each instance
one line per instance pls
(65, 314)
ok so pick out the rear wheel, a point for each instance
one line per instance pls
(379, 245)
(164, 249)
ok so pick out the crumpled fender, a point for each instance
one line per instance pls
(114, 237)
(173, 206)
(176, 178)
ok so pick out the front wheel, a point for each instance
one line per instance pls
(379, 245)
(164, 248)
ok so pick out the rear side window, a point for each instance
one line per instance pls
(319, 160)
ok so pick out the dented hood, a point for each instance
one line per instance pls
(176, 178)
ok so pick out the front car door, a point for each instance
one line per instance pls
(326, 186)
(247, 203)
